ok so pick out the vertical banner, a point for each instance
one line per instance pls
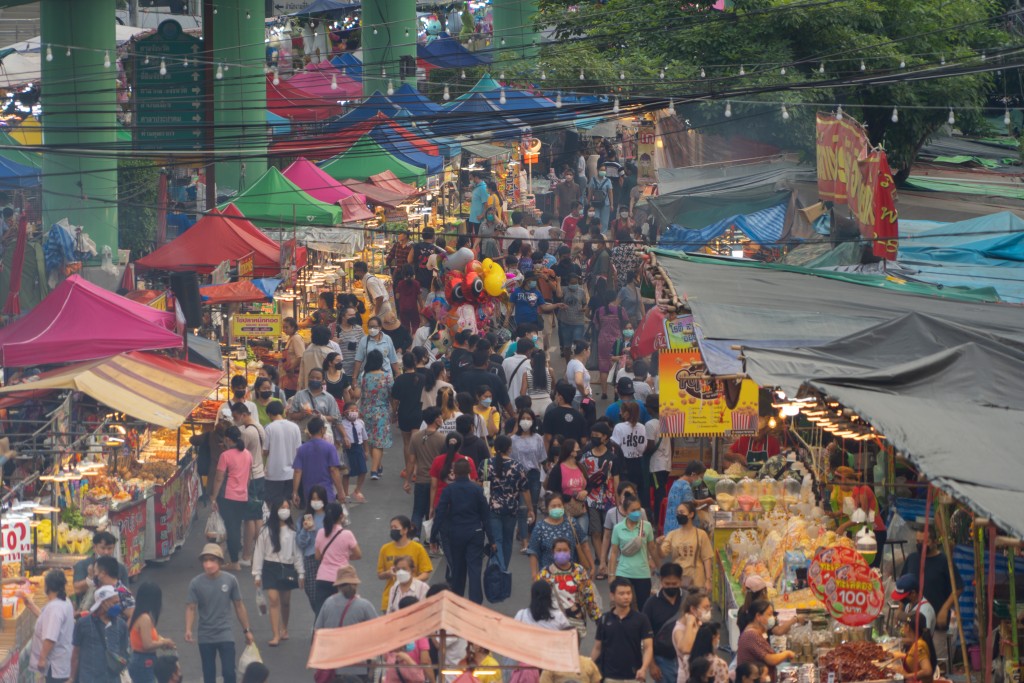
(852, 173)
(129, 525)
(645, 140)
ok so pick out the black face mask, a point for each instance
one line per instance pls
(396, 535)
(353, 321)
(683, 519)
(265, 394)
(672, 592)
(239, 394)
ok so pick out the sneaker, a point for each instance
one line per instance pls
(245, 563)
(374, 476)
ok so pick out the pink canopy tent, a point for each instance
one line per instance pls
(315, 182)
(82, 321)
(317, 81)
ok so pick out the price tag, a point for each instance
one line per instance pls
(15, 539)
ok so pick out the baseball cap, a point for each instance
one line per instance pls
(624, 386)
(904, 586)
(755, 583)
(102, 594)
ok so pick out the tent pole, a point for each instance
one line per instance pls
(947, 546)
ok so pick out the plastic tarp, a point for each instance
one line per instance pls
(274, 201)
(82, 321)
(376, 194)
(29, 132)
(699, 211)
(996, 188)
(9, 149)
(243, 291)
(530, 645)
(366, 158)
(153, 388)
(349, 65)
(375, 104)
(763, 227)
(728, 178)
(18, 176)
(353, 209)
(279, 125)
(216, 237)
(931, 386)
(445, 52)
(995, 240)
(318, 82)
(204, 351)
(317, 184)
(294, 104)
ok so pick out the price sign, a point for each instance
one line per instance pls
(827, 562)
(849, 588)
(16, 539)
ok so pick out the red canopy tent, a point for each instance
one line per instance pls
(354, 210)
(247, 226)
(82, 321)
(317, 81)
(298, 105)
(389, 181)
(216, 237)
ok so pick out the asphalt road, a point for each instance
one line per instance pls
(370, 524)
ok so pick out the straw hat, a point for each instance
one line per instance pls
(347, 575)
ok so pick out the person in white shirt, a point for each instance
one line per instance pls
(239, 392)
(278, 567)
(283, 438)
(516, 365)
(542, 611)
(659, 448)
(516, 232)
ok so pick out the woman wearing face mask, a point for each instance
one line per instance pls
(696, 610)
(485, 409)
(705, 645)
(756, 588)
(507, 482)
(634, 554)
(689, 547)
(919, 661)
(528, 451)
(335, 381)
(263, 390)
(405, 585)
(622, 363)
(553, 527)
(573, 591)
(401, 546)
(278, 567)
(375, 406)
(492, 229)
(567, 478)
(625, 491)
(753, 644)
(442, 470)
(538, 381)
(270, 372)
(305, 537)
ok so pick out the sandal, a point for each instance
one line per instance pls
(358, 498)
(600, 576)
(271, 643)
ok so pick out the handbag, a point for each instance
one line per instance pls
(115, 662)
(327, 675)
(635, 544)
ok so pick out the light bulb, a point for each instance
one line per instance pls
(374, 30)
(462, 74)
(821, 68)
(903, 64)
(582, 77)
(942, 60)
(220, 72)
(952, 119)
(185, 63)
(661, 74)
(406, 33)
(785, 113)
(163, 67)
(742, 71)
(214, 9)
(447, 94)
(391, 87)
(782, 71)
(622, 75)
(502, 99)
(503, 40)
(671, 106)
(49, 53)
(248, 14)
(839, 113)
(502, 75)
(772, 422)
(226, 66)
(543, 76)
(863, 66)
(383, 72)
(702, 74)
(558, 101)
(334, 81)
(895, 115)
(106, 60)
(67, 53)
(615, 105)
(146, 60)
(1006, 118)
(728, 110)
(277, 78)
(983, 57)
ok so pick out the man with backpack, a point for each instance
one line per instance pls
(599, 196)
(419, 258)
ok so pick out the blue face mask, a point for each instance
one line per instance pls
(114, 611)
(410, 647)
(634, 516)
(531, 285)
(486, 403)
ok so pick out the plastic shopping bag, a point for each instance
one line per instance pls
(216, 532)
(250, 654)
(261, 601)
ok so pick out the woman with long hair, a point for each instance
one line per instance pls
(695, 611)
(634, 553)
(609, 319)
(333, 378)
(55, 625)
(441, 473)
(700, 670)
(919, 660)
(436, 379)
(576, 372)
(528, 451)
(336, 547)
(142, 634)
(305, 538)
(538, 381)
(689, 547)
(568, 478)
(449, 409)
(234, 468)
(705, 645)
(507, 481)
(375, 406)
(278, 567)
(542, 611)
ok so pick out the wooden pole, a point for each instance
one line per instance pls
(947, 546)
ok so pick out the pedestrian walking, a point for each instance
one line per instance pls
(401, 545)
(234, 468)
(461, 518)
(506, 481)
(374, 393)
(634, 554)
(278, 567)
(143, 637)
(335, 548)
(305, 538)
(552, 528)
(212, 597)
(317, 464)
(283, 441)
(346, 608)
(353, 440)
(52, 636)
(99, 638)
(624, 643)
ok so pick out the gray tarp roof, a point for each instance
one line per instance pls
(947, 395)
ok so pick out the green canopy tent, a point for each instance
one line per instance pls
(273, 201)
(12, 150)
(485, 85)
(366, 158)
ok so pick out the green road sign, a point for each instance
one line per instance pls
(169, 90)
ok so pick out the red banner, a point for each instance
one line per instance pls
(129, 524)
(173, 508)
(851, 173)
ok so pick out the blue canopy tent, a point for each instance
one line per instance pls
(413, 102)
(362, 112)
(478, 115)
(448, 147)
(403, 149)
(764, 227)
(18, 176)
(447, 53)
(326, 7)
(279, 125)
(349, 64)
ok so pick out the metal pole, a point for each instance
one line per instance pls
(208, 79)
(133, 12)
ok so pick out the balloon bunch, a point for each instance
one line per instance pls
(471, 288)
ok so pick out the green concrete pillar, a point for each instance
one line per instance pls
(79, 115)
(240, 97)
(513, 22)
(395, 24)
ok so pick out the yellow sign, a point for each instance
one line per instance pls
(255, 325)
(692, 405)
(245, 265)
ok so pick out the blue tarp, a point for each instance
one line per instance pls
(349, 64)
(447, 53)
(764, 227)
(15, 175)
(279, 125)
(994, 240)
(963, 561)
(326, 7)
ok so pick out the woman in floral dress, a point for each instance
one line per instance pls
(375, 403)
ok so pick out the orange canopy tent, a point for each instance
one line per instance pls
(531, 645)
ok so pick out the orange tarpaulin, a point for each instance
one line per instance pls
(542, 648)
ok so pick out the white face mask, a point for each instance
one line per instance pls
(353, 416)
(526, 424)
(402, 575)
(317, 505)
(374, 331)
(705, 616)
(284, 514)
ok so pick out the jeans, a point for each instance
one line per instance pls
(567, 333)
(233, 512)
(669, 668)
(420, 507)
(465, 554)
(533, 485)
(140, 667)
(503, 528)
(604, 213)
(208, 655)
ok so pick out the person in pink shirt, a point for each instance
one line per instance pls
(234, 467)
(335, 548)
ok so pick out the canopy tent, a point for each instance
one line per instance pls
(311, 179)
(278, 125)
(695, 212)
(153, 388)
(82, 321)
(348, 64)
(410, 146)
(478, 115)
(376, 194)
(204, 351)
(326, 82)
(273, 201)
(243, 291)
(233, 213)
(29, 132)
(530, 645)
(930, 386)
(321, 7)
(389, 181)
(486, 84)
(764, 227)
(295, 104)
(445, 52)
(18, 176)
(9, 149)
(216, 237)
(353, 209)
(366, 158)
(415, 103)
(406, 149)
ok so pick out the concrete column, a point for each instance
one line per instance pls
(241, 95)
(79, 115)
(395, 23)
(513, 22)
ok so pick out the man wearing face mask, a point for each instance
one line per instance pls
(95, 635)
(107, 575)
(239, 393)
(283, 439)
(529, 302)
(570, 224)
(660, 609)
(599, 195)
(346, 608)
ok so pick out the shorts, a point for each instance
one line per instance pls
(356, 457)
(400, 337)
(274, 576)
(596, 516)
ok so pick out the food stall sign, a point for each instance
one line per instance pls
(15, 539)
(255, 325)
(245, 265)
(694, 404)
(849, 588)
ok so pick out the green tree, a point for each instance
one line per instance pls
(781, 46)
(137, 186)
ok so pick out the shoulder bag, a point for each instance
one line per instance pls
(573, 508)
(115, 662)
(635, 544)
(327, 675)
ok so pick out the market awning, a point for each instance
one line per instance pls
(549, 650)
(150, 387)
(243, 291)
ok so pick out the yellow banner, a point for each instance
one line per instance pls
(692, 405)
(255, 325)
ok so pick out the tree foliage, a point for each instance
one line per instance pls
(137, 185)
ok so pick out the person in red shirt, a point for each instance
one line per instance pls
(407, 296)
(571, 223)
(442, 469)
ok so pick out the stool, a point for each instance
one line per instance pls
(892, 554)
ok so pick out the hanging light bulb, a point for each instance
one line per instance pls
(374, 30)
(863, 66)
(214, 9)
(1006, 118)
(785, 113)
(558, 101)
(983, 57)
(952, 119)
(277, 77)
(661, 74)
(383, 72)
(502, 75)
(942, 60)
(503, 40)
(728, 110)
(49, 53)
(772, 422)
(671, 106)
(501, 98)
(106, 60)
(622, 75)
(334, 81)
(903, 64)
(406, 33)
(895, 118)
(821, 68)
(742, 71)
(462, 75)
(702, 74)
(248, 14)
(582, 77)
(185, 63)
(225, 66)
(67, 53)
(839, 113)
(220, 72)
(146, 60)
(163, 67)
(447, 93)
(543, 75)
(782, 71)
(615, 105)
(391, 87)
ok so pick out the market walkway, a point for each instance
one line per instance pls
(370, 524)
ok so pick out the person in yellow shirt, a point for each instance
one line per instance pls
(482, 664)
(400, 544)
(487, 412)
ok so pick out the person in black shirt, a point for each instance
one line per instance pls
(419, 258)
(565, 268)
(471, 380)
(624, 643)
(406, 399)
(938, 589)
(462, 516)
(562, 418)
(660, 609)
(461, 358)
(473, 447)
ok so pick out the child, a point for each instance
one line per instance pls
(621, 358)
(353, 437)
(407, 295)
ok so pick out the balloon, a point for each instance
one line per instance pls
(494, 277)
(474, 266)
(459, 259)
(474, 287)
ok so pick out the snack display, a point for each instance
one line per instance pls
(855, 661)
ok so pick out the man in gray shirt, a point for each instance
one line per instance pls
(346, 608)
(214, 594)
